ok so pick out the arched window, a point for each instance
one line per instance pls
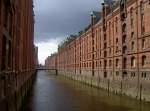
(143, 60)
(132, 61)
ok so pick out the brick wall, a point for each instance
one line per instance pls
(16, 44)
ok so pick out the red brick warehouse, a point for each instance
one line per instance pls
(17, 52)
(113, 52)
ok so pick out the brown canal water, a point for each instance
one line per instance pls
(55, 93)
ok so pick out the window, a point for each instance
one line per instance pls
(124, 28)
(100, 63)
(124, 74)
(133, 62)
(10, 17)
(0, 11)
(9, 54)
(132, 35)
(132, 46)
(116, 25)
(93, 73)
(105, 53)
(143, 43)
(122, 4)
(117, 49)
(143, 75)
(3, 53)
(124, 39)
(142, 17)
(131, 17)
(105, 45)
(117, 62)
(104, 36)
(96, 64)
(124, 49)
(105, 74)
(105, 63)
(132, 74)
(109, 28)
(143, 60)
(110, 51)
(117, 73)
(124, 63)
(5, 16)
(110, 63)
(116, 40)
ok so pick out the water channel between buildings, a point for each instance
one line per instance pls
(56, 93)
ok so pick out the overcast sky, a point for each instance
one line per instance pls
(55, 19)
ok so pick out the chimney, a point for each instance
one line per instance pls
(93, 19)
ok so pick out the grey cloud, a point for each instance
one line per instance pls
(59, 18)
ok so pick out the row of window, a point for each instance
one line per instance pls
(133, 61)
(133, 74)
(124, 50)
(99, 64)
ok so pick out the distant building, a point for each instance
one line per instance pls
(51, 62)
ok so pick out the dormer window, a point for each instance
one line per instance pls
(122, 5)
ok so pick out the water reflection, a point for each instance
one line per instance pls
(51, 93)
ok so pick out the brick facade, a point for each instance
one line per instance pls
(16, 49)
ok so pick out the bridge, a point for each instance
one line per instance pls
(47, 69)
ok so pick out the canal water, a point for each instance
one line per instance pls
(55, 93)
